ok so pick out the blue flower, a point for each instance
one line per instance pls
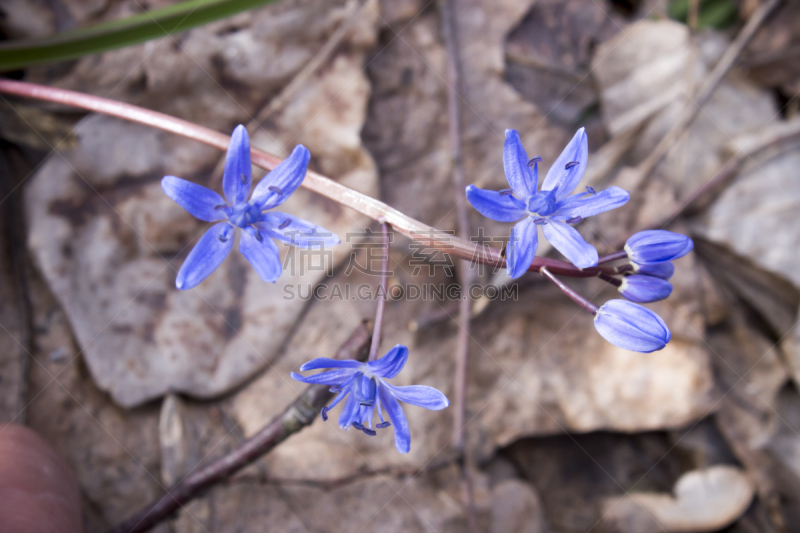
(259, 227)
(364, 387)
(631, 326)
(657, 246)
(643, 289)
(552, 207)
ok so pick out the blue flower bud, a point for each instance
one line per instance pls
(643, 289)
(657, 246)
(663, 270)
(631, 326)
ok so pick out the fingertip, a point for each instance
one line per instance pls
(38, 492)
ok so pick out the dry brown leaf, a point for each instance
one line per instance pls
(703, 500)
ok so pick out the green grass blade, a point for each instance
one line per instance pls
(119, 33)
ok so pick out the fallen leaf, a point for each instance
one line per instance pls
(703, 500)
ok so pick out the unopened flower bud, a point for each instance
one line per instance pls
(642, 289)
(657, 246)
(631, 326)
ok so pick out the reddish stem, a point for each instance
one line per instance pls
(574, 296)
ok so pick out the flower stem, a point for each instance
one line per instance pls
(610, 279)
(574, 296)
(382, 289)
(375, 209)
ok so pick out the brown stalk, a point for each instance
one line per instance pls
(299, 414)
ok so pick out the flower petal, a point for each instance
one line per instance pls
(378, 406)
(522, 244)
(350, 409)
(263, 255)
(402, 433)
(278, 185)
(566, 179)
(238, 175)
(569, 242)
(631, 326)
(326, 362)
(419, 395)
(206, 256)
(331, 377)
(339, 397)
(390, 364)
(586, 205)
(492, 204)
(296, 231)
(199, 201)
(523, 179)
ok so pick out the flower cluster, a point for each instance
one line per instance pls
(364, 389)
(645, 279)
(236, 211)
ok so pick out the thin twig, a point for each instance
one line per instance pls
(694, 15)
(704, 93)
(700, 198)
(382, 289)
(300, 413)
(352, 12)
(362, 203)
(335, 483)
(557, 70)
(16, 253)
(465, 272)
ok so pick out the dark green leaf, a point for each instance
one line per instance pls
(119, 33)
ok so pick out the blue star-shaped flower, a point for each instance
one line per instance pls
(365, 388)
(260, 227)
(552, 207)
